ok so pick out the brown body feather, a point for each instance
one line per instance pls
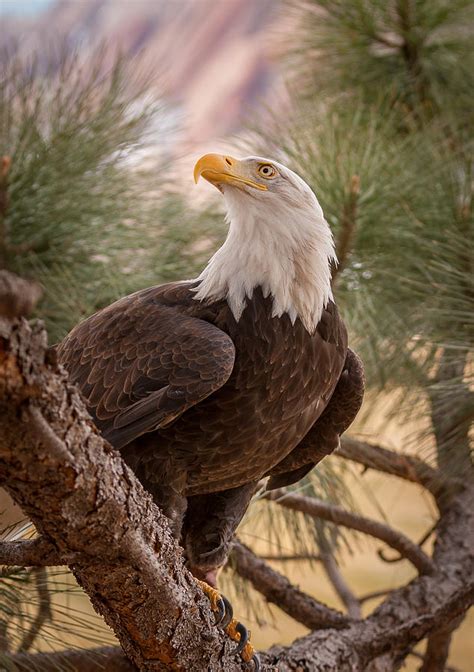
(202, 406)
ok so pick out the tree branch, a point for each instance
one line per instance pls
(408, 467)
(334, 575)
(409, 614)
(81, 496)
(278, 590)
(337, 515)
(37, 552)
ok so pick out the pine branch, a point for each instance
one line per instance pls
(339, 584)
(408, 467)
(408, 615)
(37, 552)
(335, 514)
(278, 590)
(348, 226)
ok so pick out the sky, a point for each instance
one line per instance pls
(23, 7)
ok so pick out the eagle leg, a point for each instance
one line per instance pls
(209, 526)
(233, 628)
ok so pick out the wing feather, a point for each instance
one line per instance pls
(141, 363)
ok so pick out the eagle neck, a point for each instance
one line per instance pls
(289, 260)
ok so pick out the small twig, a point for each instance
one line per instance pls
(397, 558)
(335, 514)
(291, 558)
(334, 575)
(44, 610)
(277, 589)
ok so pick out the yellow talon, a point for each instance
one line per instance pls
(248, 651)
(233, 629)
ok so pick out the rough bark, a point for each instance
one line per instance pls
(83, 499)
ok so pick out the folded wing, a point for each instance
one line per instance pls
(141, 363)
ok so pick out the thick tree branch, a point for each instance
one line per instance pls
(82, 497)
(277, 589)
(335, 514)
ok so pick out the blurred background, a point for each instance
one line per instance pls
(105, 105)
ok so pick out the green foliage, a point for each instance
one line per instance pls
(418, 52)
(77, 205)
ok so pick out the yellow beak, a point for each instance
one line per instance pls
(218, 170)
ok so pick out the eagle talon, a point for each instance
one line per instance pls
(244, 637)
(228, 614)
(221, 611)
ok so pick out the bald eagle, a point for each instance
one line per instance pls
(209, 385)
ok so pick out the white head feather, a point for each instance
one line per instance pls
(279, 240)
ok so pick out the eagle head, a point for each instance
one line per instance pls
(255, 177)
(278, 238)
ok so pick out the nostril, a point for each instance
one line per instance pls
(228, 161)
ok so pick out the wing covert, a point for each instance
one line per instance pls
(141, 363)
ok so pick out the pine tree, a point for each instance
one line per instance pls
(381, 129)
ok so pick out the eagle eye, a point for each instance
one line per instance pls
(266, 170)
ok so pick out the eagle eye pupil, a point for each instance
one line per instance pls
(266, 171)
